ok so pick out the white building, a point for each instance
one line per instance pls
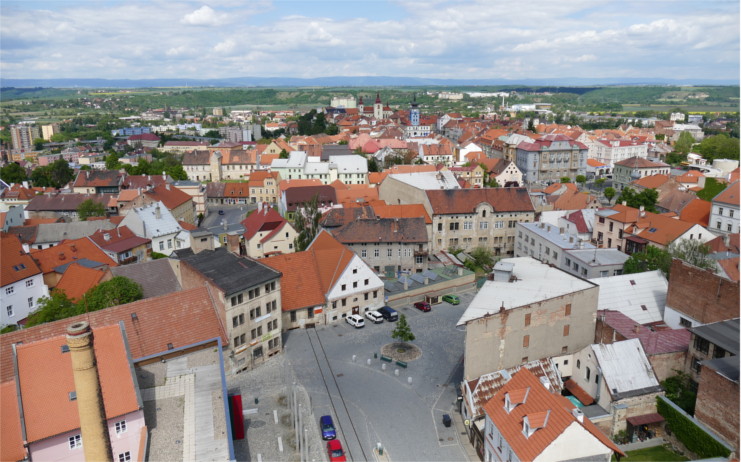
(156, 223)
(22, 282)
(352, 169)
(724, 215)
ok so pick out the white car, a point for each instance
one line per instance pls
(355, 320)
(374, 316)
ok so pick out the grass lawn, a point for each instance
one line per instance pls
(654, 453)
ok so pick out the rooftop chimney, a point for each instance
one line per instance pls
(90, 406)
(157, 212)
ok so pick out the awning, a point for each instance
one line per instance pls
(645, 419)
(579, 392)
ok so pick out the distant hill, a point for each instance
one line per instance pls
(362, 81)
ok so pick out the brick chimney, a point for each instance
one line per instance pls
(96, 441)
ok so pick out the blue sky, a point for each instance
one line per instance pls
(484, 39)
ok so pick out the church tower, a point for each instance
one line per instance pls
(378, 108)
(414, 112)
(360, 105)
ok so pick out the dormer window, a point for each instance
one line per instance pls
(515, 397)
(533, 422)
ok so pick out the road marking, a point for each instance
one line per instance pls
(275, 416)
(280, 444)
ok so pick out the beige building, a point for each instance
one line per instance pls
(267, 233)
(528, 311)
(264, 187)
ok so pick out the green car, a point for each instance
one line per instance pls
(452, 299)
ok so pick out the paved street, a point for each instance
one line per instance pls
(369, 404)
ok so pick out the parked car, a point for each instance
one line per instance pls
(452, 299)
(388, 313)
(328, 430)
(335, 451)
(423, 306)
(374, 316)
(355, 320)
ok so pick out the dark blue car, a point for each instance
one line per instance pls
(328, 430)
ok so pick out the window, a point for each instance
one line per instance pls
(730, 213)
(718, 352)
(484, 225)
(589, 372)
(454, 226)
(578, 364)
(169, 242)
(75, 442)
(611, 225)
(124, 457)
(717, 225)
(237, 299)
(564, 350)
(29, 283)
(419, 260)
(390, 252)
(257, 352)
(366, 282)
(696, 364)
(439, 226)
(526, 341)
(240, 340)
(376, 253)
(120, 427)
(684, 322)
(566, 330)
(354, 271)
(363, 253)
(527, 319)
(310, 313)
(720, 211)
(729, 227)
(238, 320)
(701, 345)
(365, 296)
(467, 225)
(343, 287)
(9, 290)
(293, 316)
(9, 310)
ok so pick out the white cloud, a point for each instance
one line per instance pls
(204, 16)
(225, 47)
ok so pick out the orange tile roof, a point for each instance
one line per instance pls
(457, 201)
(411, 169)
(376, 177)
(401, 211)
(595, 163)
(652, 181)
(127, 195)
(538, 400)
(665, 229)
(258, 177)
(311, 273)
(169, 195)
(697, 211)
(557, 186)
(236, 190)
(78, 279)
(365, 194)
(16, 264)
(10, 425)
(285, 184)
(729, 195)
(267, 159)
(572, 200)
(180, 318)
(68, 251)
(45, 376)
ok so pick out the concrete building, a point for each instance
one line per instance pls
(267, 233)
(525, 420)
(527, 302)
(550, 158)
(634, 168)
(250, 293)
(22, 136)
(724, 214)
(609, 152)
(546, 243)
(711, 341)
(619, 378)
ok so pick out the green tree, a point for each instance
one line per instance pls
(581, 179)
(684, 143)
(693, 252)
(13, 173)
(306, 222)
(38, 144)
(600, 182)
(646, 198)
(719, 146)
(283, 154)
(90, 208)
(111, 162)
(651, 259)
(60, 173)
(373, 165)
(483, 257)
(118, 291)
(565, 179)
(609, 193)
(402, 331)
(53, 308)
(679, 390)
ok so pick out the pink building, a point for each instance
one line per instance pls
(48, 402)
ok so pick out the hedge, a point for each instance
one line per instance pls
(693, 437)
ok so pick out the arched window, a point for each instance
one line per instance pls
(588, 373)
(578, 364)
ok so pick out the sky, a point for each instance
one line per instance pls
(473, 39)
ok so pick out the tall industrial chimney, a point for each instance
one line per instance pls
(95, 439)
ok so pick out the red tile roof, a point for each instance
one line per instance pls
(538, 400)
(118, 240)
(401, 211)
(78, 279)
(68, 251)
(10, 425)
(464, 201)
(729, 195)
(181, 318)
(651, 181)
(169, 195)
(16, 264)
(697, 211)
(654, 341)
(640, 162)
(45, 376)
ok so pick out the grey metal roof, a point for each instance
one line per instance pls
(723, 333)
(727, 367)
(55, 232)
(156, 276)
(230, 272)
(82, 262)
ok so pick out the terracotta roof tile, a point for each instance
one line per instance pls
(69, 251)
(640, 162)
(169, 195)
(538, 400)
(729, 195)
(451, 201)
(16, 264)
(45, 374)
(118, 240)
(180, 318)
(98, 178)
(401, 211)
(10, 425)
(287, 184)
(78, 279)
(697, 211)
(654, 341)
(652, 181)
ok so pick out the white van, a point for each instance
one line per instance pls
(355, 320)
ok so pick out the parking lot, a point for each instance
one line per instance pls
(338, 371)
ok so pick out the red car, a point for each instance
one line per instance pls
(335, 451)
(422, 306)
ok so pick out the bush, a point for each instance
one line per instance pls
(692, 436)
